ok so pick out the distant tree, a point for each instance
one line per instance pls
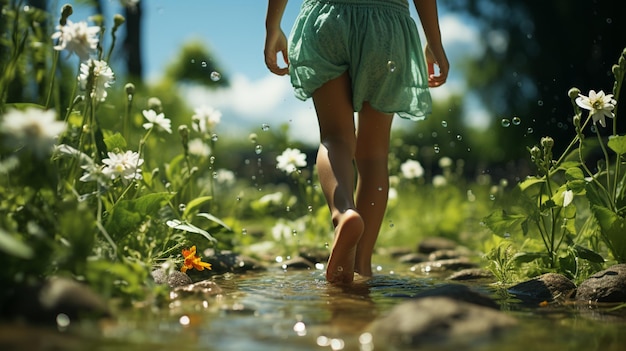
(133, 40)
(535, 52)
(196, 64)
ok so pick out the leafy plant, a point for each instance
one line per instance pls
(551, 203)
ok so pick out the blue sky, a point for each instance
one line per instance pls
(234, 30)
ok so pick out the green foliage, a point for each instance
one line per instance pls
(85, 191)
(544, 206)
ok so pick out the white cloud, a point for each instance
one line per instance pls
(247, 105)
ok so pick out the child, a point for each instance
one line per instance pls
(363, 56)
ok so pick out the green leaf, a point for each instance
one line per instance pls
(527, 183)
(127, 215)
(574, 173)
(588, 255)
(13, 246)
(188, 227)
(502, 223)
(617, 143)
(115, 141)
(214, 219)
(525, 257)
(613, 228)
(195, 203)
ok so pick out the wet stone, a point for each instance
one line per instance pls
(459, 292)
(315, 255)
(205, 288)
(296, 263)
(444, 265)
(438, 320)
(546, 287)
(43, 302)
(608, 285)
(413, 258)
(471, 274)
(432, 244)
(225, 262)
(172, 279)
(447, 254)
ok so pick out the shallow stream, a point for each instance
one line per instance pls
(298, 310)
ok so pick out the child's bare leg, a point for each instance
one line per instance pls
(333, 104)
(373, 186)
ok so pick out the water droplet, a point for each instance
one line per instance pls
(287, 209)
(63, 321)
(184, 320)
(182, 207)
(540, 102)
(300, 329)
(203, 64)
(215, 76)
(593, 128)
(193, 60)
(444, 124)
(459, 137)
(258, 149)
(517, 121)
(505, 122)
(310, 208)
(244, 231)
(214, 175)
(214, 137)
(391, 66)
(265, 127)
(529, 130)
(294, 232)
(436, 148)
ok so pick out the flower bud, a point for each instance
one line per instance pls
(154, 103)
(547, 142)
(183, 130)
(535, 153)
(66, 12)
(616, 70)
(118, 20)
(573, 93)
(130, 88)
(252, 137)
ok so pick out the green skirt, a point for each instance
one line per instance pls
(375, 41)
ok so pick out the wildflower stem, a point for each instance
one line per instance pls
(611, 189)
(53, 71)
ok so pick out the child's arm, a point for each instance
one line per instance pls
(435, 54)
(275, 39)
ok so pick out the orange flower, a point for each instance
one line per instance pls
(193, 261)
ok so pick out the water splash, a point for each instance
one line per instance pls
(215, 76)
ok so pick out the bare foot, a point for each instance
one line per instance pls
(364, 269)
(340, 268)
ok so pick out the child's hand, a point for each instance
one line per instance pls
(275, 43)
(436, 57)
